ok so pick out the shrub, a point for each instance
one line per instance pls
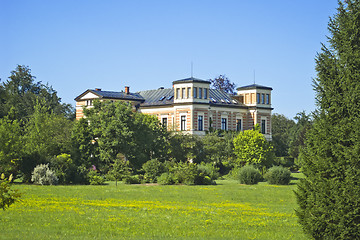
(95, 178)
(64, 168)
(209, 170)
(153, 169)
(249, 175)
(43, 175)
(166, 179)
(278, 175)
(135, 179)
(7, 195)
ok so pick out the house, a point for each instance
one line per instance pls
(192, 107)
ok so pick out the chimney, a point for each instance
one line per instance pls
(127, 89)
(97, 89)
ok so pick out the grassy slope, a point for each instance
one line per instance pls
(226, 211)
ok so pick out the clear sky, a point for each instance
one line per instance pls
(75, 45)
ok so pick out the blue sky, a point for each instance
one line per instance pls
(79, 45)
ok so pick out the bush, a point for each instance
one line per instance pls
(166, 179)
(7, 195)
(153, 169)
(278, 175)
(135, 179)
(95, 178)
(43, 175)
(249, 175)
(64, 168)
(209, 170)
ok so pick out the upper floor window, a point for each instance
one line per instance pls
(177, 93)
(223, 124)
(267, 98)
(263, 98)
(205, 93)
(195, 92)
(188, 92)
(183, 93)
(89, 102)
(258, 98)
(200, 93)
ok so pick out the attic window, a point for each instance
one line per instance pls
(234, 101)
(227, 100)
(213, 100)
(162, 98)
(89, 102)
(169, 97)
(222, 100)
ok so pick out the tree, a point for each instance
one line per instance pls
(328, 197)
(281, 128)
(251, 147)
(298, 133)
(21, 92)
(7, 195)
(223, 83)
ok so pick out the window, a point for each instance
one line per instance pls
(183, 123)
(164, 122)
(210, 122)
(205, 93)
(267, 98)
(89, 102)
(223, 124)
(183, 93)
(263, 126)
(200, 123)
(195, 92)
(200, 93)
(188, 92)
(258, 98)
(263, 98)
(238, 125)
(177, 93)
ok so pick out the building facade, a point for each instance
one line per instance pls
(192, 107)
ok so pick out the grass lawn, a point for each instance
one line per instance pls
(225, 211)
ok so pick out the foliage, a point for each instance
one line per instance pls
(95, 178)
(298, 133)
(218, 147)
(251, 147)
(166, 179)
(8, 196)
(64, 168)
(118, 129)
(10, 145)
(223, 83)
(43, 175)
(46, 135)
(120, 168)
(328, 198)
(132, 179)
(249, 175)
(209, 170)
(21, 92)
(278, 175)
(153, 169)
(184, 148)
(281, 129)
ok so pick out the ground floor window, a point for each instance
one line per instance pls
(200, 123)
(164, 122)
(263, 126)
(238, 125)
(223, 124)
(183, 123)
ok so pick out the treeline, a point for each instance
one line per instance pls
(41, 142)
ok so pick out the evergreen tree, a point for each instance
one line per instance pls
(328, 197)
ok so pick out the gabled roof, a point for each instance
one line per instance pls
(254, 86)
(191, 80)
(112, 95)
(157, 97)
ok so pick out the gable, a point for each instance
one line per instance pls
(89, 95)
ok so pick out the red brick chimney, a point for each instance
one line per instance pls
(127, 89)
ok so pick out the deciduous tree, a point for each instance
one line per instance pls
(223, 83)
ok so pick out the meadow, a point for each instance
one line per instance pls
(227, 210)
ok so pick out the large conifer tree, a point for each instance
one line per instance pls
(329, 196)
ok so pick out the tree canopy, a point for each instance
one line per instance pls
(223, 83)
(328, 198)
